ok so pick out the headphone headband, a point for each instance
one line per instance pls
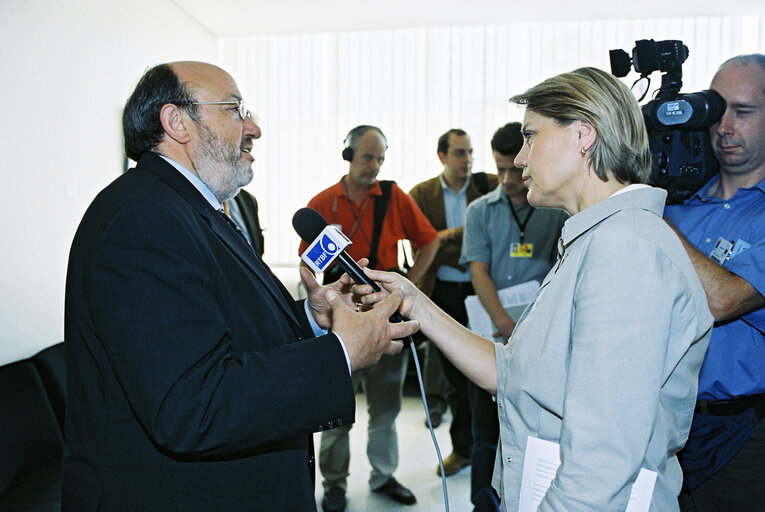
(353, 137)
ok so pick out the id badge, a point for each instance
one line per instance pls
(518, 250)
(721, 251)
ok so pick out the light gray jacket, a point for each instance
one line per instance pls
(605, 360)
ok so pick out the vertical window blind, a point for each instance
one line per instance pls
(310, 89)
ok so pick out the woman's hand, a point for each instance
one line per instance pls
(390, 281)
(473, 355)
(369, 335)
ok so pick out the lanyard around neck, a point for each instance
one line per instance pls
(356, 215)
(521, 225)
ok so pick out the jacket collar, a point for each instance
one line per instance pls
(702, 194)
(220, 227)
(647, 198)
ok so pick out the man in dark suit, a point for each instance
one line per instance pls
(194, 380)
(243, 210)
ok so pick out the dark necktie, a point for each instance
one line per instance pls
(236, 228)
(265, 273)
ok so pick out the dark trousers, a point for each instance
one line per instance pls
(451, 298)
(433, 379)
(485, 437)
(739, 486)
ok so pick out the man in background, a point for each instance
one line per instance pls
(374, 215)
(723, 229)
(506, 242)
(243, 209)
(444, 199)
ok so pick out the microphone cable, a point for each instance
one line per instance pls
(430, 425)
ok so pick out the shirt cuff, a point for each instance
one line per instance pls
(318, 331)
(345, 351)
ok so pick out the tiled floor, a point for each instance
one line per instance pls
(417, 464)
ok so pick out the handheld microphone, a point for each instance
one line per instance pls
(313, 229)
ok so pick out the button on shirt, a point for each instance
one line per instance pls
(735, 362)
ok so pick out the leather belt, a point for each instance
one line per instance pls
(732, 407)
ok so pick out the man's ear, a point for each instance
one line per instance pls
(442, 157)
(174, 121)
(587, 134)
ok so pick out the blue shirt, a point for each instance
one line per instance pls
(200, 185)
(735, 361)
(454, 210)
(491, 230)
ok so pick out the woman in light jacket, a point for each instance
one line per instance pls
(604, 361)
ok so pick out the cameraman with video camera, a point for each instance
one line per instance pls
(722, 227)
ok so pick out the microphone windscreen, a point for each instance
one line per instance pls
(308, 223)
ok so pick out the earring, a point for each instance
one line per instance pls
(584, 151)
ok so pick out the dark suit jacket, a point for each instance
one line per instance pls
(192, 384)
(248, 206)
(430, 198)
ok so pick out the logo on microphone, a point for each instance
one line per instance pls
(323, 251)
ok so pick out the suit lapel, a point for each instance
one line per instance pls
(472, 193)
(222, 230)
(438, 212)
(247, 255)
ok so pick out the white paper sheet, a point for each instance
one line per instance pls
(513, 298)
(540, 463)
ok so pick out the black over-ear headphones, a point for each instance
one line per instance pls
(353, 137)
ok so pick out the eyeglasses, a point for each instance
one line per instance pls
(243, 112)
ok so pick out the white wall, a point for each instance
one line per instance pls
(66, 69)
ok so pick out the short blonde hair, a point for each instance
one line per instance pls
(601, 100)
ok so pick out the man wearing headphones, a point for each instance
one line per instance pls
(374, 215)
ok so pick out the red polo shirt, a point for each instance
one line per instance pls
(403, 220)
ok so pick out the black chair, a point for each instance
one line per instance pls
(31, 443)
(52, 368)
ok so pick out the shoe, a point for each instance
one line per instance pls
(435, 419)
(453, 463)
(334, 500)
(397, 492)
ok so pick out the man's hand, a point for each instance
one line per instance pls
(369, 334)
(423, 259)
(505, 326)
(487, 293)
(449, 234)
(317, 294)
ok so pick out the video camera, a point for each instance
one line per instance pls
(678, 124)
